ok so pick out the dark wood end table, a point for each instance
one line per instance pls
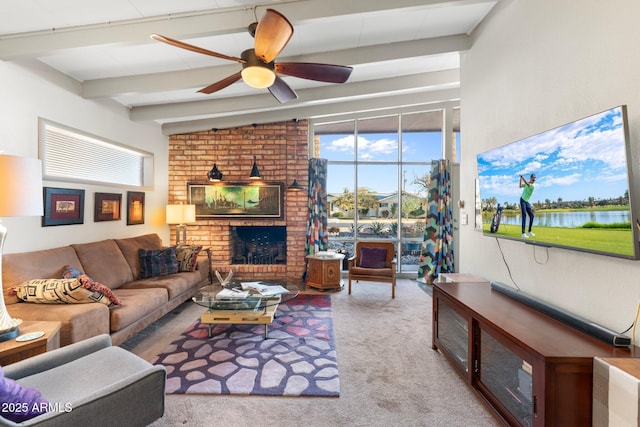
(12, 351)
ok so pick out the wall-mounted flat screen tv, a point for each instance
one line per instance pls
(583, 193)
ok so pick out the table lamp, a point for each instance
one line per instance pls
(181, 215)
(20, 195)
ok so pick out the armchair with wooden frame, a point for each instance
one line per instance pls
(374, 261)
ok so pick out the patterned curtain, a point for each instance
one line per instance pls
(317, 238)
(437, 247)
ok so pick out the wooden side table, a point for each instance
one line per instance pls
(13, 351)
(324, 272)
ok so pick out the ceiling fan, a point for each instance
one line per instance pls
(259, 69)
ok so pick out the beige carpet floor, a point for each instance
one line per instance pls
(389, 374)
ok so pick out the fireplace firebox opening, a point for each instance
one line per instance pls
(252, 244)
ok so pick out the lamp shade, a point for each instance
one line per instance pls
(181, 214)
(20, 186)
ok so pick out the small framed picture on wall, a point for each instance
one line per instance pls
(63, 206)
(135, 207)
(107, 207)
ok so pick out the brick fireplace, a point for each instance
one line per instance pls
(281, 155)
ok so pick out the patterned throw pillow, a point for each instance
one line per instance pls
(71, 272)
(93, 286)
(157, 262)
(61, 291)
(373, 257)
(187, 257)
(20, 403)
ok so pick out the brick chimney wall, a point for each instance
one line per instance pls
(281, 154)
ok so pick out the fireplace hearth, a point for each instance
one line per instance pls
(252, 244)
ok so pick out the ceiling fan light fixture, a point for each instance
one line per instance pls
(256, 73)
(258, 77)
(259, 70)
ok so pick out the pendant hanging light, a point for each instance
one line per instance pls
(255, 173)
(214, 174)
(295, 186)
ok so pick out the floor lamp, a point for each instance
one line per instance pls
(20, 195)
(181, 215)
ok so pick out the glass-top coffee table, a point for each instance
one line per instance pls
(243, 302)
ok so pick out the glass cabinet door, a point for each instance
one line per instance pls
(453, 335)
(508, 377)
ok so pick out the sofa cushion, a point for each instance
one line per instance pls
(158, 262)
(130, 247)
(79, 321)
(103, 262)
(373, 257)
(19, 403)
(136, 304)
(187, 257)
(175, 284)
(64, 291)
(385, 272)
(20, 267)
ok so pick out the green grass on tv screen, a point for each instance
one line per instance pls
(599, 239)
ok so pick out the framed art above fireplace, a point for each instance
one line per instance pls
(236, 199)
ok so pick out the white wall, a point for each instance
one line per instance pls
(535, 65)
(27, 92)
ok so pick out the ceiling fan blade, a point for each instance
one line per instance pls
(222, 83)
(312, 71)
(192, 48)
(272, 35)
(282, 91)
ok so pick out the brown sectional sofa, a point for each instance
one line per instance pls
(114, 263)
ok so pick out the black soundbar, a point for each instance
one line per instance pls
(600, 332)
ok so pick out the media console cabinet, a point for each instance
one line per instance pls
(531, 369)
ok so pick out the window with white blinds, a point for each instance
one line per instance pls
(71, 155)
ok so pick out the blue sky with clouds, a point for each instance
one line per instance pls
(376, 148)
(573, 162)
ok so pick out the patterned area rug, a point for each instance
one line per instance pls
(298, 358)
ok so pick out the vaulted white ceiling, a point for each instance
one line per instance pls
(405, 54)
